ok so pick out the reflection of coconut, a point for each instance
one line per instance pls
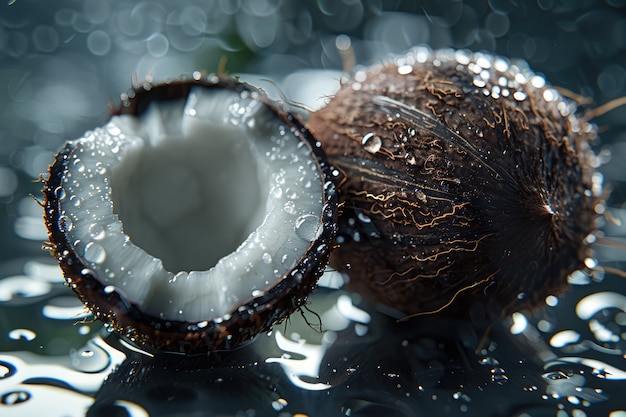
(196, 218)
(461, 174)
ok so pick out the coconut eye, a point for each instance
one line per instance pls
(197, 217)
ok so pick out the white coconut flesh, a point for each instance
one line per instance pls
(195, 206)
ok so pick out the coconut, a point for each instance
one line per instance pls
(463, 177)
(198, 216)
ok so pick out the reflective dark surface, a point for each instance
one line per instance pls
(60, 63)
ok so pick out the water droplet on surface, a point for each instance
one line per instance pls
(15, 397)
(371, 143)
(22, 334)
(90, 358)
(6, 370)
(308, 227)
(64, 308)
(95, 253)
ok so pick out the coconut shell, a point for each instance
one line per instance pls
(254, 315)
(462, 177)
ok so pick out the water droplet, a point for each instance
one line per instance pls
(267, 258)
(371, 143)
(276, 192)
(22, 334)
(6, 370)
(405, 69)
(76, 201)
(519, 95)
(90, 358)
(290, 207)
(363, 218)
(279, 404)
(78, 165)
(591, 263)
(95, 253)
(488, 360)
(498, 375)
(308, 227)
(555, 375)
(59, 192)
(96, 231)
(65, 308)
(460, 396)
(100, 168)
(236, 109)
(291, 194)
(65, 224)
(15, 397)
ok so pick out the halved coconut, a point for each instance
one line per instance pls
(197, 217)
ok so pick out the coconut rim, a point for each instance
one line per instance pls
(252, 315)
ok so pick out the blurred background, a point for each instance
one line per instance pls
(63, 62)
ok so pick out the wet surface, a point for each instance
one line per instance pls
(61, 62)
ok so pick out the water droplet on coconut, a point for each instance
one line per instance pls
(90, 358)
(363, 218)
(95, 253)
(267, 258)
(79, 166)
(65, 224)
(100, 168)
(76, 201)
(96, 231)
(488, 360)
(276, 192)
(371, 143)
(60, 193)
(308, 227)
(290, 207)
